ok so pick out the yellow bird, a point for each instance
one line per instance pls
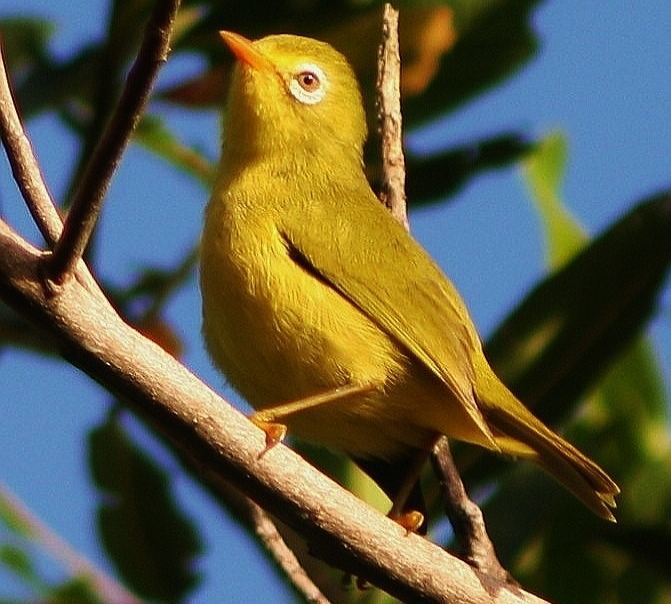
(322, 311)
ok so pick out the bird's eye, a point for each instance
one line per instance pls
(308, 81)
(308, 84)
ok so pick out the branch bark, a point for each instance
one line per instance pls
(221, 442)
(25, 169)
(88, 200)
(390, 119)
(464, 514)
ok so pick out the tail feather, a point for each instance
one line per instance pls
(518, 432)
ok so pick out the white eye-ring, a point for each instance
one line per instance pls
(308, 84)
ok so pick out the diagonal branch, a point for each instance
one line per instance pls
(220, 441)
(24, 165)
(88, 200)
(465, 516)
(105, 587)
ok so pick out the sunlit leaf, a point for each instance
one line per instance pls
(153, 134)
(571, 326)
(544, 172)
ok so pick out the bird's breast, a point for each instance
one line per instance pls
(278, 332)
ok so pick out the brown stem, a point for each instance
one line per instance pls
(88, 200)
(273, 541)
(465, 516)
(24, 165)
(105, 588)
(389, 117)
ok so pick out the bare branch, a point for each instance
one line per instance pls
(105, 587)
(339, 528)
(273, 541)
(24, 165)
(389, 117)
(465, 516)
(88, 200)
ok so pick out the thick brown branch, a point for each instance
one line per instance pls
(88, 200)
(24, 165)
(340, 529)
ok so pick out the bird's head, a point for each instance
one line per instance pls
(292, 95)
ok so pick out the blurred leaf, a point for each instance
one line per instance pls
(544, 172)
(24, 42)
(432, 178)
(150, 540)
(450, 50)
(74, 591)
(11, 517)
(494, 39)
(571, 326)
(51, 86)
(18, 562)
(155, 136)
(624, 427)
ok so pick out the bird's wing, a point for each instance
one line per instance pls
(393, 281)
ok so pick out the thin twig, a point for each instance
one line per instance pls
(389, 117)
(273, 541)
(465, 516)
(24, 165)
(104, 586)
(88, 200)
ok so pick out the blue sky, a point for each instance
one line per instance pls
(602, 76)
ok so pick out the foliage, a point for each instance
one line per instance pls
(576, 337)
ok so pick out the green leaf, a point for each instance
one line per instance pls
(17, 561)
(73, 591)
(494, 39)
(155, 136)
(150, 540)
(11, 518)
(544, 172)
(432, 178)
(24, 42)
(575, 323)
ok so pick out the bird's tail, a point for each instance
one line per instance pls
(519, 433)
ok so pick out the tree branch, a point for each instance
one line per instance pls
(104, 586)
(25, 169)
(389, 117)
(273, 541)
(464, 515)
(88, 200)
(221, 442)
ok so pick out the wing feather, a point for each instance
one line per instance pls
(394, 282)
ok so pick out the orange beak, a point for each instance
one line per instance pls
(244, 51)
